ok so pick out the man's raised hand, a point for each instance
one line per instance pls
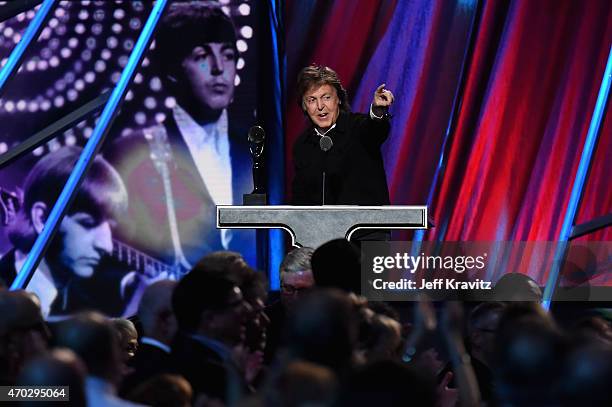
(382, 97)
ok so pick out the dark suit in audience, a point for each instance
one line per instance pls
(211, 315)
(150, 360)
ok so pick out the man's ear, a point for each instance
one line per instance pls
(38, 214)
(206, 318)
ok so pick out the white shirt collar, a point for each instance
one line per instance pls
(210, 150)
(41, 283)
(321, 134)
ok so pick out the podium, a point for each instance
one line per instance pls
(311, 226)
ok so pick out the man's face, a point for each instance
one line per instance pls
(484, 338)
(84, 241)
(229, 323)
(322, 105)
(210, 70)
(257, 325)
(293, 284)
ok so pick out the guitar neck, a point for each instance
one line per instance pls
(138, 260)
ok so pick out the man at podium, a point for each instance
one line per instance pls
(338, 159)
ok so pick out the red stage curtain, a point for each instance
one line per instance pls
(528, 99)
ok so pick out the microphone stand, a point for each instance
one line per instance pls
(326, 143)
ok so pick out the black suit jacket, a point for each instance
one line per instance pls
(354, 169)
(148, 362)
(146, 225)
(204, 369)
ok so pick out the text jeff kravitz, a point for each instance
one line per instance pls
(435, 284)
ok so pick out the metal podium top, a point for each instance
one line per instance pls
(312, 226)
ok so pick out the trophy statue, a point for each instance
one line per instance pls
(257, 137)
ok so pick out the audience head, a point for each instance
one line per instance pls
(155, 311)
(127, 336)
(585, 380)
(517, 287)
(94, 339)
(210, 304)
(300, 383)
(593, 328)
(296, 274)
(387, 383)
(322, 328)
(223, 262)
(528, 362)
(253, 285)
(483, 322)
(165, 390)
(516, 312)
(337, 264)
(23, 332)
(60, 367)
(382, 338)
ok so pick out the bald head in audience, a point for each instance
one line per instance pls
(93, 338)
(60, 367)
(155, 311)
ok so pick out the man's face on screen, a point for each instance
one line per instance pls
(210, 71)
(322, 105)
(84, 241)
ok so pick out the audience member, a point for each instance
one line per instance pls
(482, 327)
(585, 379)
(60, 367)
(295, 279)
(128, 337)
(387, 383)
(528, 362)
(517, 287)
(203, 339)
(253, 287)
(382, 339)
(337, 264)
(165, 390)
(593, 328)
(94, 339)
(158, 327)
(211, 314)
(322, 328)
(23, 333)
(299, 383)
(296, 274)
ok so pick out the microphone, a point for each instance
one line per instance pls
(326, 143)
(257, 135)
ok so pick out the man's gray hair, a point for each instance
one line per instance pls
(297, 260)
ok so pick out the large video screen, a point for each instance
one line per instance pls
(178, 147)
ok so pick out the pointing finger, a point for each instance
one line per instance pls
(380, 88)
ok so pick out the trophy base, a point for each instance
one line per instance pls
(254, 199)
